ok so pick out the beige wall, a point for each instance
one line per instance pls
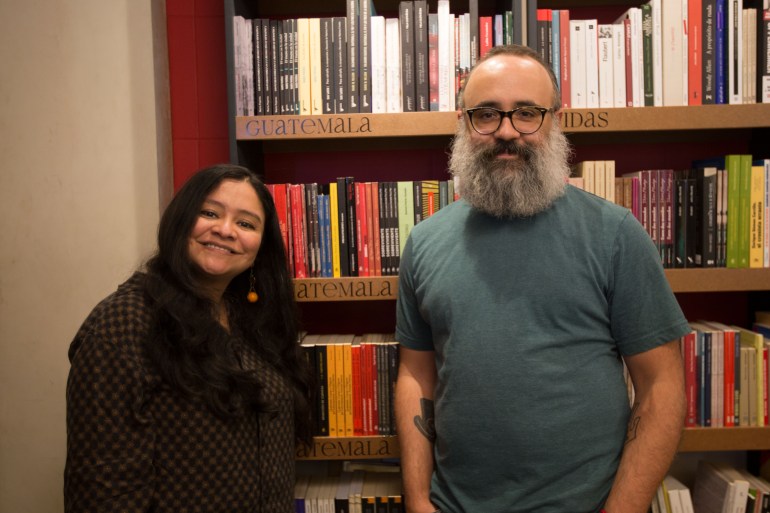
(83, 131)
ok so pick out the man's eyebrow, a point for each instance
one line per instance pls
(496, 105)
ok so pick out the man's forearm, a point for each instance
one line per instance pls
(654, 429)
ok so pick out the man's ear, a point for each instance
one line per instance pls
(557, 114)
(459, 113)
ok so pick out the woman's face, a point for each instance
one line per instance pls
(227, 233)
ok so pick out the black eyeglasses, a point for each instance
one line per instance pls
(525, 120)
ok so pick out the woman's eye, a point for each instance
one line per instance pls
(246, 224)
(208, 213)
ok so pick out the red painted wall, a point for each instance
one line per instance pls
(198, 84)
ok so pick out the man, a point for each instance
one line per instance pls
(515, 306)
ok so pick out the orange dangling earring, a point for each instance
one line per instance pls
(252, 296)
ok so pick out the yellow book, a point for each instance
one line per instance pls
(756, 340)
(586, 170)
(600, 185)
(303, 65)
(345, 348)
(335, 229)
(756, 217)
(609, 180)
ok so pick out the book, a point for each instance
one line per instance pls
(757, 217)
(708, 51)
(717, 490)
(578, 66)
(394, 102)
(763, 55)
(592, 63)
(734, 51)
(754, 340)
(379, 66)
(675, 77)
(341, 64)
(366, 9)
(316, 73)
(694, 52)
(606, 62)
(353, 27)
(407, 52)
(421, 64)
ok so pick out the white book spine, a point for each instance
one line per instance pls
(452, 65)
(672, 53)
(445, 38)
(379, 80)
(657, 55)
(637, 34)
(303, 65)
(393, 65)
(619, 65)
(685, 55)
(578, 87)
(606, 70)
(592, 64)
(735, 51)
(498, 29)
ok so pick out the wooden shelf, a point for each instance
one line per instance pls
(718, 279)
(350, 448)
(385, 288)
(411, 124)
(693, 440)
(346, 289)
(725, 439)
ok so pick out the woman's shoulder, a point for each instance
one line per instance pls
(123, 317)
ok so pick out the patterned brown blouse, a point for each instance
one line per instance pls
(133, 445)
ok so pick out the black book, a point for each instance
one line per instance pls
(293, 68)
(275, 30)
(350, 198)
(353, 18)
(259, 71)
(283, 67)
(681, 201)
(706, 217)
(421, 65)
(366, 8)
(327, 65)
(339, 25)
(473, 14)
(406, 30)
(343, 228)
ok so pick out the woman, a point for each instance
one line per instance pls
(187, 390)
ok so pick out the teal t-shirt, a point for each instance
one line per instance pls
(528, 319)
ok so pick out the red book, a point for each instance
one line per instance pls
(564, 75)
(358, 404)
(297, 222)
(279, 198)
(485, 34)
(371, 230)
(374, 187)
(361, 230)
(695, 52)
(366, 388)
(689, 354)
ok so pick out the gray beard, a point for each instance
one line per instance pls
(509, 189)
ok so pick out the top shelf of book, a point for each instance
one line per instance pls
(409, 124)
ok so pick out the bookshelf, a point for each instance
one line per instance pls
(405, 146)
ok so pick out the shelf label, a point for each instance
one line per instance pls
(341, 290)
(348, 448)
(585, 119)
(273, 126)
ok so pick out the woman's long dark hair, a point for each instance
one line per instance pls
(191, 349)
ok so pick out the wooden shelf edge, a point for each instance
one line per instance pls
(350, 448)
(385, 288)
(725, 439)
(718, 279)
(379, 447)
(371, 288)
(409, 124)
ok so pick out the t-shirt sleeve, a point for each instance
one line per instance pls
(109, 442)
(643, 309)
(412, 331)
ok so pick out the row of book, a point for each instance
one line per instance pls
(715, 214)
(718, 487)
(356, 377)
(349, 228)
(350, 490)
(726, 374)
(677, 52)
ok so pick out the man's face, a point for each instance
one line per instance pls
(507, 173)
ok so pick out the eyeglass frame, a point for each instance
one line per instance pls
(508, 114)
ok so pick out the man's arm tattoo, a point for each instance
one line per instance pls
(426, 422)
(633, 424)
